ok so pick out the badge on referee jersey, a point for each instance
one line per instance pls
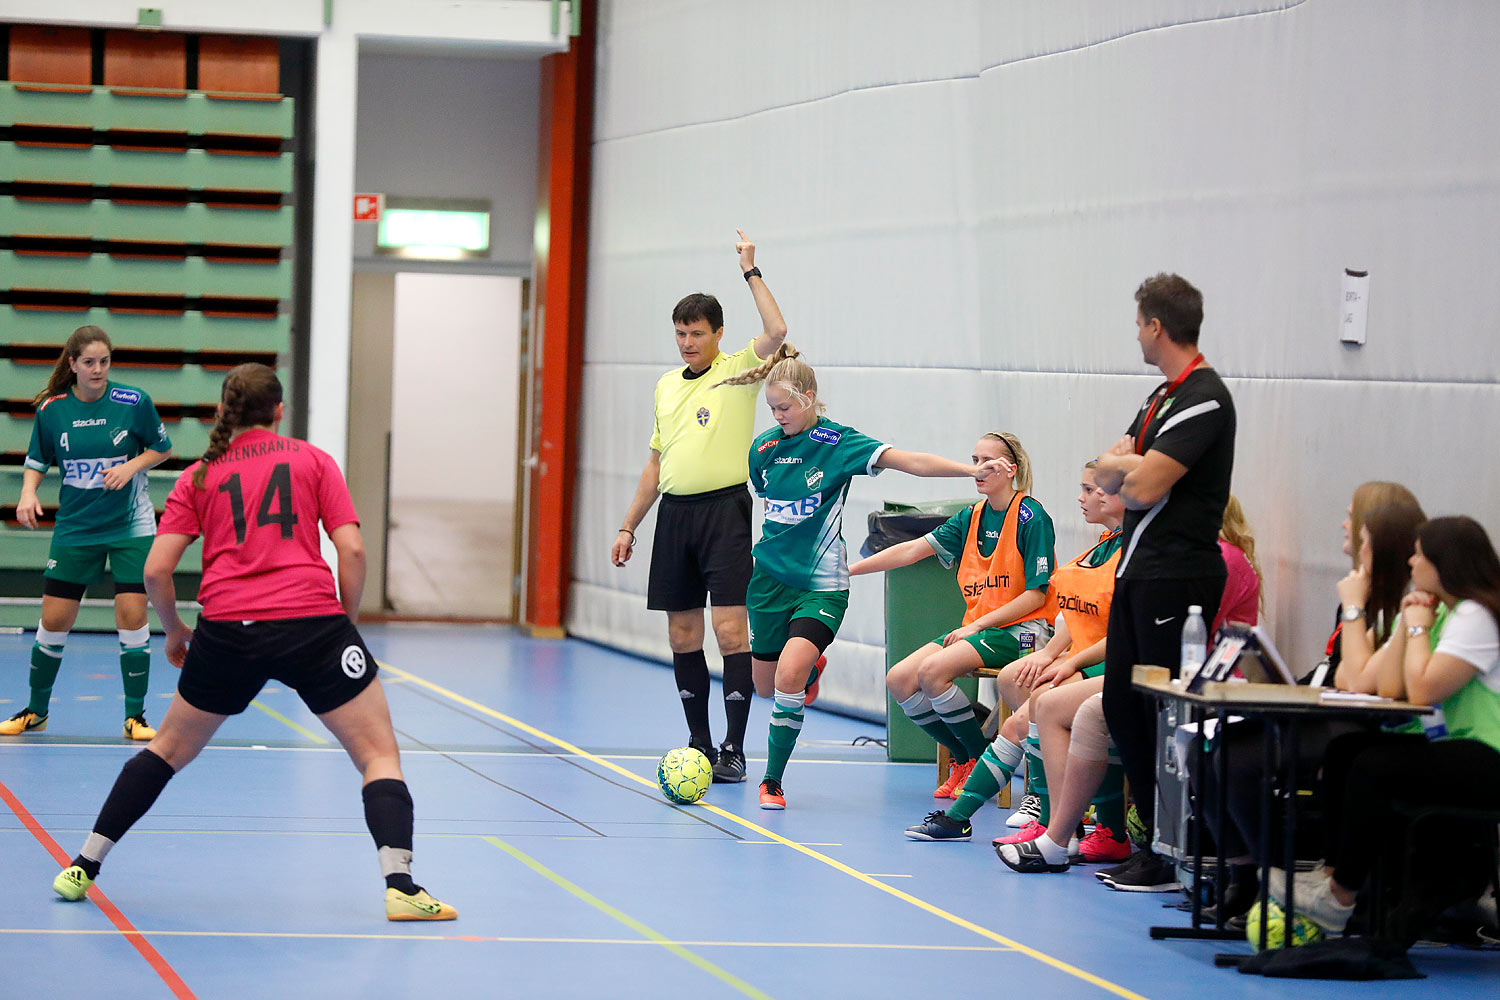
(702, 416)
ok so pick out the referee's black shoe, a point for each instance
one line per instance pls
(706, 749)
(730, 768)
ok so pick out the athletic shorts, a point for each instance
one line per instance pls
(999, 647)
(772, 605)
(84, 564)
(323, 659)
(701, 549)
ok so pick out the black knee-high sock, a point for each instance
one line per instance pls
(390, 816)
(691, 671)
(140, 782)
(739, 687)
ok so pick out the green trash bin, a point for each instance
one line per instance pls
(921, 602)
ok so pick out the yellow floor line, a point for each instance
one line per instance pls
(724, 976)
(869, 880)
(634, 941)
(302, 731)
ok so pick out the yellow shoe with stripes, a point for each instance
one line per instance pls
(418, 906)
(136, 728)
(24, 721)
(72, 884)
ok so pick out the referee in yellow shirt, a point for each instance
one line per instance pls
(701, 549)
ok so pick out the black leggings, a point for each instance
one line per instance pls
(1365, 773)
(1145, 626)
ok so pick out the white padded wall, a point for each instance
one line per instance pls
(954, 202)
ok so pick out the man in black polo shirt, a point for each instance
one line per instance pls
(1172, 469)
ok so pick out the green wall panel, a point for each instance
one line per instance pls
(193, 168)
(105, 220)
(191, 331)
(100, 273)
(195, 114)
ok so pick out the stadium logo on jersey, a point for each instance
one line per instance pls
(702, 416)
(788, 460)
(814, 478)
(978, 588)
(353, 662)
(768, 444)
(824, 435)
(130, 396)
(1042, 564)
(792, 511)
(96, 422)
(992, 534)
(1073, 602)
(88, 473)
(117, 437)
(1024, 516)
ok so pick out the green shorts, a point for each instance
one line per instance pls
(771, 606)
(1097, 670)
(999, 647)
(85, 563)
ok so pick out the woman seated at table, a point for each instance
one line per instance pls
(1372, 782)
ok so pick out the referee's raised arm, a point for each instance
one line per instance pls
(773, 327)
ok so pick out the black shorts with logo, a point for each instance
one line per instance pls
(701, 547)
(323, 659)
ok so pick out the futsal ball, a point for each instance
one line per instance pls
(1304, 931)
(684, 775)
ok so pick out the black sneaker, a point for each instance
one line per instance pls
(940, 826)
(706, 749)
(1154, 874)
(1027, 858)
(1130, 864)
(730, 767)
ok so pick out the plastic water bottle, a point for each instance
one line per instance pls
(1194, 644)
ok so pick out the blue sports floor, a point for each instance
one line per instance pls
(532, 765)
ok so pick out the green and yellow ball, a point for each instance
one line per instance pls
(684, 775)
(1304, 931)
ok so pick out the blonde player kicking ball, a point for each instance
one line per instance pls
(799, 589)
(1003, 548)
(270, 610)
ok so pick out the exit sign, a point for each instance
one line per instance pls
(368, 207)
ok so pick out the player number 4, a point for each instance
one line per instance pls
(278, 492)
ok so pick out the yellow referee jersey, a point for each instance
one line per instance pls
(704, 434)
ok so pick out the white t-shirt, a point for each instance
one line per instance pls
(1471, 635)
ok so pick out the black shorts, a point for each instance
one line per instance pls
(323, 659)
(701, 548)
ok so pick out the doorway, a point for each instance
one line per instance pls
(449, 547)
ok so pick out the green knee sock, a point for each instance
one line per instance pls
(1109, 804)
(953, 707)
(1037, 772)
(46, 660)
(919, 709)
(135, 668)
(786, 723)
(992, 773)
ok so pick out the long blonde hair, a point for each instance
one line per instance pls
(63, 377)
(1022, 482)
(787, 370)
(1236, 530)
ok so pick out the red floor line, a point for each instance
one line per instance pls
(122, 924)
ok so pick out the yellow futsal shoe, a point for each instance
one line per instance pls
(24, 721)
(71, 883)
(418, 906)
(136, 728)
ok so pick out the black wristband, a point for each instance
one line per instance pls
(628, 532)
(754, 272)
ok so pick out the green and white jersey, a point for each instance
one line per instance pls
(85, 439)
(804, 480)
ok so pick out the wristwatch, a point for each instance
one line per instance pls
(1352, 613)
(754, 272)
(1413, 631)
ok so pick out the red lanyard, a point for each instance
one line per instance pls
(1140, 436)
